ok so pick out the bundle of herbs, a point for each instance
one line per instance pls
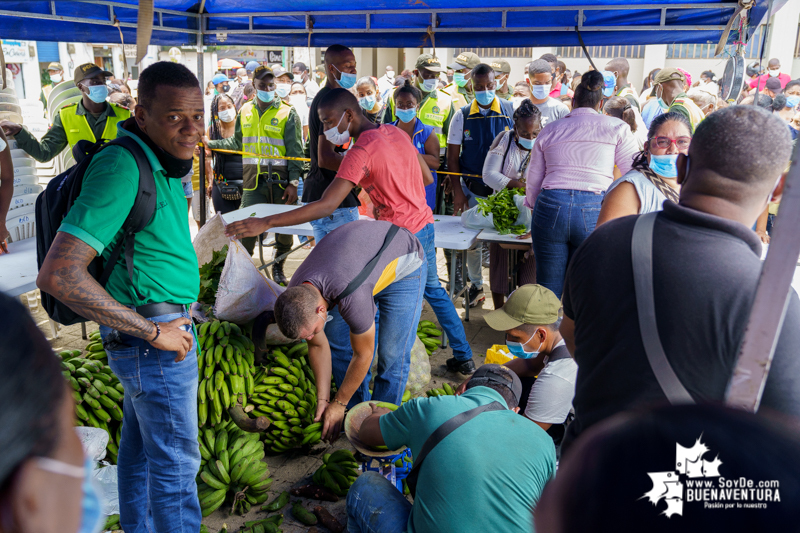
(209, 277)
(504, 211)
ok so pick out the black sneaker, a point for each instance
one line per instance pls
(476, 296)
(464, 367)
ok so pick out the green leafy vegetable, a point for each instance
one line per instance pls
(503, 210)
(209, 277)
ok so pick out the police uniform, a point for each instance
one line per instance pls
(630, 95)
(501, 66)
(685, 106)
(460, 95)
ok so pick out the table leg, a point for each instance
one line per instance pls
(464, 277)
(511, 281)
(261, 248)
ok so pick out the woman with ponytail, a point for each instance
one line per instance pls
(619, 107)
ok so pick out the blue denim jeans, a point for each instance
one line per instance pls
(440, 301)
(340, 217)
(562, 220)
(158, 453)
(399, 307)
(374, 505)
(474, 265)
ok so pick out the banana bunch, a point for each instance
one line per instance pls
(98, 394)
(112, 523)
(338, 471)
(446, 390)
(285, 392)
(226, 365)
(429, 335)
(231, 469)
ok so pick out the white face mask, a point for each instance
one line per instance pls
(56, 78)
(772, 73)
(336, 137)
(297, 100)
(227, 115)
(390, 74)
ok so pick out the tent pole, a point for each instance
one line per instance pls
(201, 78)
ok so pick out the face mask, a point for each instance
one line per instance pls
(298, 100)
(774, 73)
(516, 101)
(390, 74)
(526, 143)
(56, 78)
(406, 115)
(227, 115)
(367, 102)
(283, 90)
(518, 350)
(427, 85)
(484, 97)
(226, 88)
(91, 510)
(346, 80)
(98, 93)
(664, 165)
(540, 92)
(265, 96)
(792, 101)
(458, 79)
(336, 137)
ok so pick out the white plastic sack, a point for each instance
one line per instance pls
(419, 374)
(243, 293)
(106, 483)
(94, 441)
(211, 238)
(525, 213)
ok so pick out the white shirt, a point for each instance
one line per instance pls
(497, 172)
(551, 396)
(456, 132)
(311, 89)
(385, 83)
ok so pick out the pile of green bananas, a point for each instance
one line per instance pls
(97, 391)
(231, 469)
(446, 390)
(429, 335)
(226, 364)
(338, 471)
(112, 523)
(285, 392)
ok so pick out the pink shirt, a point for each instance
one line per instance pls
(384, 163)
(762, 81)
(579, 153)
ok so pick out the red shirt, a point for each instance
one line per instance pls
(556, 91)
(762, 81)
(384, 163)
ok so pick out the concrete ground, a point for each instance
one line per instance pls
(295, 469)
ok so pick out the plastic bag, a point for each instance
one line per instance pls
(243, 293)
(211, 238)
(525, 213)
(472, 219)
(94, 441)
(419, 373)
(106, 480)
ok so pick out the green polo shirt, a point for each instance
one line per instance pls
(487, 475)
(55, 140)
(165, 264)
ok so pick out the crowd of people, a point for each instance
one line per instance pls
(587, 150)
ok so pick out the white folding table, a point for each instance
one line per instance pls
(18, 268)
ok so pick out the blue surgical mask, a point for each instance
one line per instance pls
(367, 102)
(540, 92)
(406, 115)
(346, 80)
(526, 143)
(283, 90)
(427, 85)
(664, 165)
(518, 350)
(98, 93)
(792, 101)
(458, 79)
(91, 508)
(266, 96)
(484, 97)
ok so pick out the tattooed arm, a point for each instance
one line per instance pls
(64, 275)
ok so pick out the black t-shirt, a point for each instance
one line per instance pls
(705, 270)
(318, 178)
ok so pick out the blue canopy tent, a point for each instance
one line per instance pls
(381, 23)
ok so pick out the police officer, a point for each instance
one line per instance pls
(461, 90)
(56, 72)
(669, 85)
(267, 126)
(91, 119)
(502, 71)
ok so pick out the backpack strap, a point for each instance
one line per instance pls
(142, 211)
(440, 433)
(367, 270)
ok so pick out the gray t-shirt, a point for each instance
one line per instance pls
(649, 195)
(552, 110)
(337, 259)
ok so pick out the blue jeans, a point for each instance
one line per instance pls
(339, 217)
(374, 505)
(399, 307)
(474, 265)
(440, 301)
(158, 453)
(562, 220)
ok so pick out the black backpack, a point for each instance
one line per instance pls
(57, 199)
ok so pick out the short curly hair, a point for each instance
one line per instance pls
(164, 74)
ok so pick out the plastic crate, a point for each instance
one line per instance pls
(498, 355)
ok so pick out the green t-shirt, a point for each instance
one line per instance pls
(165, 264)
(485, 476)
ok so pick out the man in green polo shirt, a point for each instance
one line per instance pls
(90, 119)
(145, 322)
(487, 475)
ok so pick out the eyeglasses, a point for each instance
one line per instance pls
(665, 142)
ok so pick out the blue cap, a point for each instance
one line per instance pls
(610, 83)
(219, 78)
(251, 66)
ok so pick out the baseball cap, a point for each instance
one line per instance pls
(497, 374)
(668, 74)
(89, 70)
(262, 71)
(610, 83)
(320, 68)
(219, 78)
(251, 66)
(429, 62)
(530, 304)
(55, 66)
(279, 71)
(773, 84)
(502, 66)
(465, 60)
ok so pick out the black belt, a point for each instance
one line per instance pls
(478, 187)
(151, 310)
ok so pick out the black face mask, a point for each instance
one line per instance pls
(173, 167)
(226, 88)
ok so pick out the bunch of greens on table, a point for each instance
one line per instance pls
(503, 210)
(209, 277)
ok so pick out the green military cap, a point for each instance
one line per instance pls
(89, 70)
(464, 60)
(530, 304)
(501, 66)
(428, 62)
(669, 74)
(55, 66)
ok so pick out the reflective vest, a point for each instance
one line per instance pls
(696, 114)
(459, 100)
(77, 127)
(625, 92)
(434, 111)
(263, 135)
